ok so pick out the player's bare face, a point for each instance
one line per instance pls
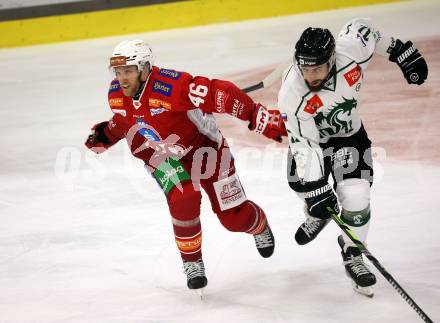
(128, 77)
(315, 75)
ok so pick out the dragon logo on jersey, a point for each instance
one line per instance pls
(334, 123)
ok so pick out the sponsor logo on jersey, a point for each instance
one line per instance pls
(353, 75)
(229, 192)
(162, 88)
(189, 245)
(169, 173)
(120, 111)
(155, 112)
(116, 102)
(220, 100)
(313, 104)
(156, 103)
(237, 108)
(118, 61)
(342, 158)
(170, 73)
(147, 131)
(114, 86)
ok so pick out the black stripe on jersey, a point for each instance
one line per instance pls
(366, 59)
(343, 68)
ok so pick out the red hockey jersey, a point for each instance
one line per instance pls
(175, 110)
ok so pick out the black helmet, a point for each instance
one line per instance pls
(316, 46)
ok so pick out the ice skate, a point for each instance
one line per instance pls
(309, 229)
(195, 274)
(362, 278)
(265, 242)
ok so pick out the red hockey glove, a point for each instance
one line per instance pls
(101, 138)
(268, 122)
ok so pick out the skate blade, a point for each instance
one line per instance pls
(366, 291)
(200, 292)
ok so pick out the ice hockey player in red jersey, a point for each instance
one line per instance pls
(166, 118)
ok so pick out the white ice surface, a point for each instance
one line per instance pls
(86, 239)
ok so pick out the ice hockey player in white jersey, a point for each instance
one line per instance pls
(319, 98)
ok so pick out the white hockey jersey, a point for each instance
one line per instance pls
(333, 111)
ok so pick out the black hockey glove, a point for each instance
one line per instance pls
(319, 199)
(410, 61)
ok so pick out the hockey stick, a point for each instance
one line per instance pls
(269, 79)
(379, 267)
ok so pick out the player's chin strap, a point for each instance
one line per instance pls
(141, 87)
(379, 266)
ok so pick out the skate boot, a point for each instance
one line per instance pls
(195, 274)
(356, 269)
(309, 229)
(265, 242)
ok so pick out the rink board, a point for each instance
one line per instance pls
(155, 17)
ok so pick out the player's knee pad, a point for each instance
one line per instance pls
(246, 217)
(354, 194)
(184, 202)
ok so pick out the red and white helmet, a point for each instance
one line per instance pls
(132, 52)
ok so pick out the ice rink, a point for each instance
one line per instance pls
(89, 239)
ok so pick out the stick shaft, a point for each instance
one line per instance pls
(269, 79)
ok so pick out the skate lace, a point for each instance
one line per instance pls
(357, 265)
(264, 239)
(311, 225)
(194, 268)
